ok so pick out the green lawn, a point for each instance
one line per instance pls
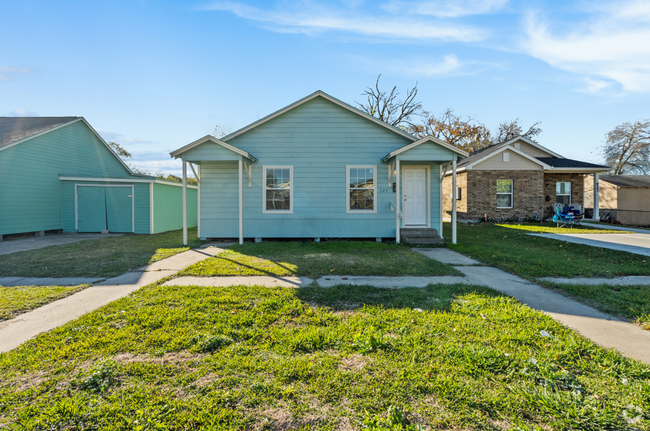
(107, 257)
(552, 228)
(510, 248)
(20, 299)
(235, 358)
(314, 259)
(628, 302)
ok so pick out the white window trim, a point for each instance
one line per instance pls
(347, 189)
(512, 194)
(565, 194)
(506, 156)
(292, 203)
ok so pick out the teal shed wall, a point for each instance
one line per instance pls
(319, 139)
(30, 190)
(168, 207)
(141, 202)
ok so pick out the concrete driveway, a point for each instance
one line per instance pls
(36, 242)
(638, 243)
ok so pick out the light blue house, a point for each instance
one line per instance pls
(58, 174)
(319, 168)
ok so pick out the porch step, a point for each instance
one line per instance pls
(421, 236)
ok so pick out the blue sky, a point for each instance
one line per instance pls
(154, 76)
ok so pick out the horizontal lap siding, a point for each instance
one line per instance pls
(168, 207)
(318, 139)
(30, 191)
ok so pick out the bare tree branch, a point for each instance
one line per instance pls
(388, 108)
(627, 149)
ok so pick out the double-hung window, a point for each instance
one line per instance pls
(278, 189)
(563, 193)
(361, 189)
(504, 193)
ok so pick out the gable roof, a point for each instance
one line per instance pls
(210, 138)
(627, 180)
(530, 142)
(481, 156)
(325, 96)
(14, 129)
(422, 141)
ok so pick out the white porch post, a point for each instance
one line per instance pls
(241, 206)
(184, 202)
(596, 215)
(398, 195)
(198, 202)
(442, 178)
(453, 201)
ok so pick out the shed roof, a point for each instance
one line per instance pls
(13, 129)
(627, 180)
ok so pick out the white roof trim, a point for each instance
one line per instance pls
(126, 180)
(534, 144)
(509, 148)
(211, 138)
(326, 96)
(422, 141)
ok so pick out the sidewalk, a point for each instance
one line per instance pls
(26, 326)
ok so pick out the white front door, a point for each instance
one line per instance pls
(414, 189)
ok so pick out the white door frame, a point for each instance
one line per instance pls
(76, 203)
(428, 194)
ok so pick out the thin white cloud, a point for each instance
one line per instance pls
(426, 66)
(9, 73)
(22, 113)
(121, 139)
(612, 47)
(313, 19)
(446, 9)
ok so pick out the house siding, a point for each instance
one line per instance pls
(532, 151)
(516, 163)
(319, 139)
(31, 193)
(168, 207)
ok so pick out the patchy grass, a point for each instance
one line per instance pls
(552, 228)
(531, 257)
(314, 259)
(20, 299)
(107, 257)
(628, 302)
(257, 358)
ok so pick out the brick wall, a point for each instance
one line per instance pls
(461, 204)
(480, 194)
(577, 190)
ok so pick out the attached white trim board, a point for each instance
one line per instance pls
(76, 203)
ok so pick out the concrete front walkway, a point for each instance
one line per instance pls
(43, 281)
(36, 242)
(631, 242)
(632, 280)
(24, 327)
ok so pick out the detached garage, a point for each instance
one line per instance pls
(58, 174)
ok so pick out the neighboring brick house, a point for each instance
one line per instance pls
(518, 178)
